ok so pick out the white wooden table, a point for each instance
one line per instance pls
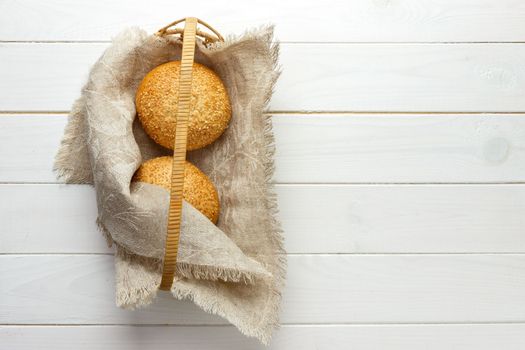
(400, 130)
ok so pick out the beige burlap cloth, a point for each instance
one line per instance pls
(235, 269)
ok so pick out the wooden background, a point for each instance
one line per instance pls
(400, 129)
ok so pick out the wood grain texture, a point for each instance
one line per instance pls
(330, 148)
(333, 289)
(363, 219)
(416, 263)
(307, 20)
(307, 337)
(316, 77)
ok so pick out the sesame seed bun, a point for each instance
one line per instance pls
(157, 102)
(198, 189)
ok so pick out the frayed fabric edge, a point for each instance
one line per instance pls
(264, 330)
(189, 271)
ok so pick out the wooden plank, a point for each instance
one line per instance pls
(79, 289)
(400, 148)
(362, 219)
(344, 148)
(305, 337)
(307, 20)
(316, 77)
(29, 145)
(60, 217)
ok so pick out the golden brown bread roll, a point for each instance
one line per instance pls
(198, 189)
(157, 101)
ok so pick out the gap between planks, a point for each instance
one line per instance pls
(302, 254)
(325, 184)
(288, 42)
(295, 324)
(302, 113)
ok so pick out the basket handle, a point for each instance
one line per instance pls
(208, 38)
(189, 36)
